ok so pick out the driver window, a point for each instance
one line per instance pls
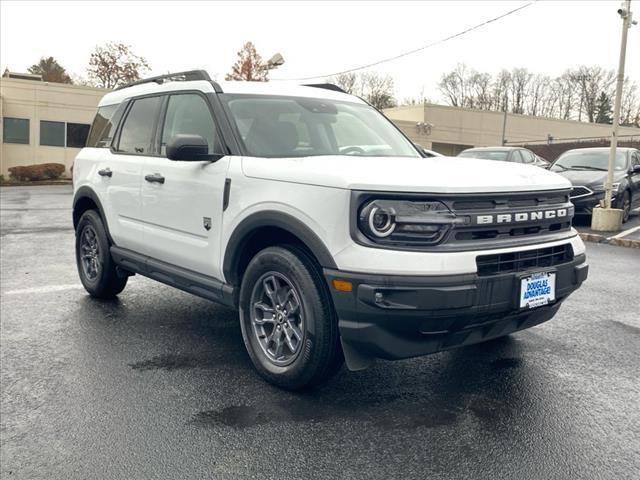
(189, 113)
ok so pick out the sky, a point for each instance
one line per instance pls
(317, 39)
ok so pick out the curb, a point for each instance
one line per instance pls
(37, 183)
(620, 242)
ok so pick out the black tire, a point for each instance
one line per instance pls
(319, 354)
(100, 279)
(625, 206)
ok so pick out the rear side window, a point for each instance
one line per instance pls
(139, 125)
(103, 127)
(189, 113)
(527, 156)
(516, 156)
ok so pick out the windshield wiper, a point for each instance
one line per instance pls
(588, 167)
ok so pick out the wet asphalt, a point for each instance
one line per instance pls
(157, 384)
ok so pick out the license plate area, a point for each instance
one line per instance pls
(537, 289)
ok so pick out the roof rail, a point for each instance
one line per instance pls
(187, 76)
(326, 86)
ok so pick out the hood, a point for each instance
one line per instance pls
(401, 174)
(589, 178)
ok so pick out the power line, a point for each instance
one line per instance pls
(416, 50)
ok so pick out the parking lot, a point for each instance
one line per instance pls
(157, 383)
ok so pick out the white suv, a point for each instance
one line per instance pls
(307, 210)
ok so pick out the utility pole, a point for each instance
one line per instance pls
(504, 119)
(606, 218)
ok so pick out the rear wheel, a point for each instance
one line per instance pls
(288, 322)
(96, 268)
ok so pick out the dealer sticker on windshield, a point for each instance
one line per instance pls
(537, 289)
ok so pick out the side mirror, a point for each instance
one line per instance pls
(190, 148)
(636, 169)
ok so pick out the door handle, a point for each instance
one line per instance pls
(154, 178)
(105, 172)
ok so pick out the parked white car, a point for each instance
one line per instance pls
(311, 213)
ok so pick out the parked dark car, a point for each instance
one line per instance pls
(586, 168)
(506, 154)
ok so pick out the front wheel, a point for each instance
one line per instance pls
(96, 268)
(625, 206)
(288, 322)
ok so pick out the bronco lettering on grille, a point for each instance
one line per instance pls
(522, 216)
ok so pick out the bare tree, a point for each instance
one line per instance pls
(378, 90)
(520, 78)
(576, 94)
(630, 104)
(480, 91)
(50, 70)
(590, 82)
(538, 96)
(501, 86)
(114, 64)
(454, 86)
(347, 81)
(249, 66)
(375, 88)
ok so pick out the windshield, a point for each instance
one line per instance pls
(485, 154)
(275, 126)
(588, 160)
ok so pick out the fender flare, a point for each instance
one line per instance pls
(271, 218)
(87, 192)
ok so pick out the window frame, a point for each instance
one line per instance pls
(115, 142)
(4, 138)
(163, 116)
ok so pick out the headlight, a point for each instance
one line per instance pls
(406, 222)
(615, 186)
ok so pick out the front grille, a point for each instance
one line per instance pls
(483, 220)
(524, 260)
(580, 191)
(509, 203)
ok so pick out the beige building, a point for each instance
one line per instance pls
(449, 130)
(43, 122)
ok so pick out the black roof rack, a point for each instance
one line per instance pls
(187, 76)
(326, 86)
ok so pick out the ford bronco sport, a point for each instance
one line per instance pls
(313, 215)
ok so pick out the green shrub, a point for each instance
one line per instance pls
(43, 171)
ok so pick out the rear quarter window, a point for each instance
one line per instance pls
(104, 126)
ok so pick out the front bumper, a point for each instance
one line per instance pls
(394, 317)
(585, 205)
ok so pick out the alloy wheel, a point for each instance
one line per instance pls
(90, 253)
(277, 318)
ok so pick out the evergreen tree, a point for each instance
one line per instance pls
(50, 70)
(603, 109)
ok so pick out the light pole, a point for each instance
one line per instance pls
(606, 218)
(504, 119)
(273, 62)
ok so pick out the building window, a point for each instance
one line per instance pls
(77, 134)
(52, 133)
(15, 130)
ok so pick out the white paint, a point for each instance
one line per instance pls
(624, 233)
(44, 289)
